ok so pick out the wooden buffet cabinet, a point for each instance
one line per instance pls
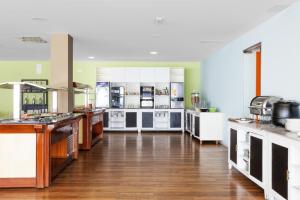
(91, 128)
(32, 154)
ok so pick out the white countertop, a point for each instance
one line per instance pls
(267, 128)
(198, 112)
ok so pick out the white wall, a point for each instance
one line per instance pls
(222, 73)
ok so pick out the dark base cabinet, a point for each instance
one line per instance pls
(233, 145)
(175, 119)
(147, 119)
(188, 121)
(131, 119)
(256, 158)
(197, 126)
(280, 170)
(106, 119)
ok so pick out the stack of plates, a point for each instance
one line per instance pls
(293, 125)
(244, 120)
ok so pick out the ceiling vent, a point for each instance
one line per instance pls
(37, 40)
(39, 19)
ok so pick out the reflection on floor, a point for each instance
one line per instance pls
(147, 166)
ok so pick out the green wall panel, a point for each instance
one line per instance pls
(85, 72)
(15, 71)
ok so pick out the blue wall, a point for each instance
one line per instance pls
(222, 72)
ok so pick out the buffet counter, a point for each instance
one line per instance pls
(34, 151)
(90, 128)
(268, 155)
(266, 128)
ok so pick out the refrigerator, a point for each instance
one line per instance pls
(102, 95)
(177, 95)
(147, 97)
(117, 97)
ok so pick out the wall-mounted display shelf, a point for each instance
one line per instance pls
(140, 98)
(35, 99)
(133, 88)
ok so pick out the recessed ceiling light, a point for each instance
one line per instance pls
(153, 52)
(91, 57)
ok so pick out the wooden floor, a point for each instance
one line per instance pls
(148, 166)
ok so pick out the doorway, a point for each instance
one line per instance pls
(251, 76)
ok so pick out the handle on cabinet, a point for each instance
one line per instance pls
(287, 175)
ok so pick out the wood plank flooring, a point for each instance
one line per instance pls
(155, 166)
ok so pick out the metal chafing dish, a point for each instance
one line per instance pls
(17, 87)
(263, 105)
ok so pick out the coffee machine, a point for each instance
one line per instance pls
(195, 98)
(261, 108)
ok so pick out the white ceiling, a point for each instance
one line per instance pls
(126, 29)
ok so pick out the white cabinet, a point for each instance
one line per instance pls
(132, 75)
(161, 119)
(177, 75)
(144, 120)
(144, 75)
(207, 126)
(117, 119)
(117, 75)
(103, 75)
(147, 75)
(110, 75)
(248, 153)
(270, 159)
(211, 126)
(162, 75)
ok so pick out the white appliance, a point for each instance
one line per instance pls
(117, 119)
(161, 119)
(147, 97)
(147, 103)
(177, 95)
(102, 94)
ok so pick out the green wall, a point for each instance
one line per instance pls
(85, 72)
(15, 71)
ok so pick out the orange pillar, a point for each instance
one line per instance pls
(258, 73)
